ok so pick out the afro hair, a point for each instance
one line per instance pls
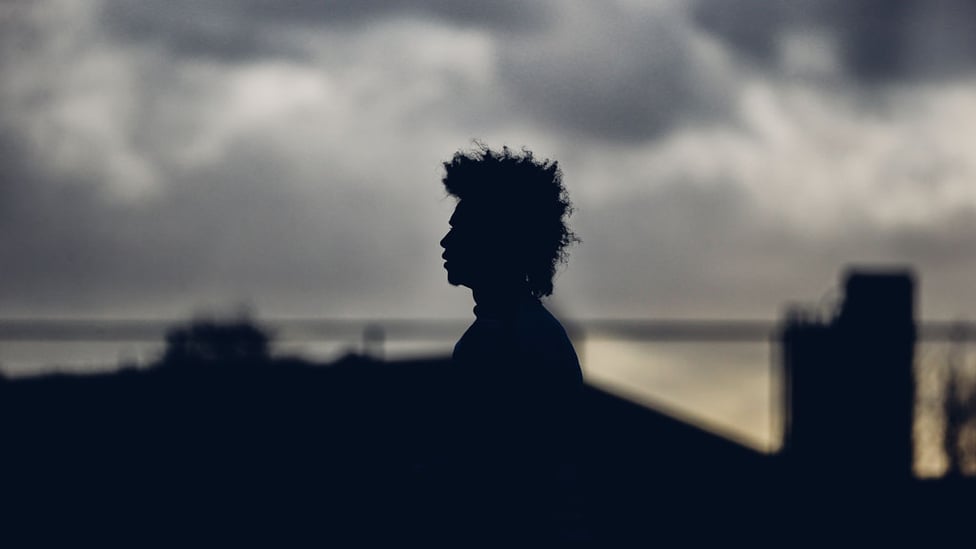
(527, 198)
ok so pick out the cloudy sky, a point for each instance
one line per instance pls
(725, 157)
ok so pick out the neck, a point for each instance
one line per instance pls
(495, 300)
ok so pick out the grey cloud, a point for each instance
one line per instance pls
(944, 242)
(503, 13)
(752, 26)
(227, 232)
(189, 29)
(63, 245)
(265, 215)
(686, 249)
(614, 74)
(239, 30)
(676, 249)
(889, 39)
(247, 223)
(610, 72)
(879, 40)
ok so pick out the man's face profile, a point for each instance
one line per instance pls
(472, 255)
(457, 244)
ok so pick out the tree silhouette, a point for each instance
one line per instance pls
(959, 401)
(212, 343)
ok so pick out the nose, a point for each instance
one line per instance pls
(446, 240)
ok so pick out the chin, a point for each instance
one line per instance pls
(455, 280)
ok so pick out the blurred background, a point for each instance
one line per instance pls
(163, 160)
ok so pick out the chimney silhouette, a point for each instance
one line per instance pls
(849, 383)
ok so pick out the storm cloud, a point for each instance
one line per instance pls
(621, 74)
(876, 40)
(724, 159)
(243, 30)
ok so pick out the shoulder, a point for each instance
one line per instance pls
(539, 333)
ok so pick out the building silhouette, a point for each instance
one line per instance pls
(850, 386)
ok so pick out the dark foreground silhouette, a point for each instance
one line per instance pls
(219, 444)
(206, 448)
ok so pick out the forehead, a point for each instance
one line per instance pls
(479, 217)
(464, 214)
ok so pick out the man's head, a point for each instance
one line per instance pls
(509, 225)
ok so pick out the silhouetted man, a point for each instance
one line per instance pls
(518, 376)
